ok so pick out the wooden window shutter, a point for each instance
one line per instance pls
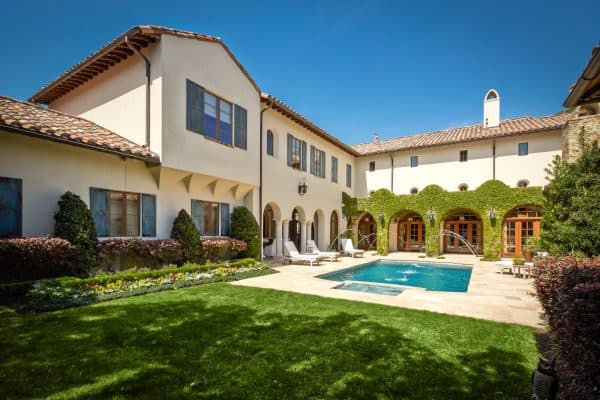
(241, 127)
(148, 215)
(303, 156)
(323, 165)
(11, 207)
(99, 209)
(194, 106)
(290, 143)
(312, 159)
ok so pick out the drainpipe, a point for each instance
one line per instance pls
(494, 159)
(148, 80)
(392, 178)
(260, 185)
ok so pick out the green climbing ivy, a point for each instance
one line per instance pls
(491, 194)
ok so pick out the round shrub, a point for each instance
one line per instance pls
(245, 228)
(186, 233)
(74, 223)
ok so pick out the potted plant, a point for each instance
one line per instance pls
(531, 247)
(518, 261)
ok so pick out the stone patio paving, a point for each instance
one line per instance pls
(490, 296)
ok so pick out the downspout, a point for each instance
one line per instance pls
(148, 81)
(260, 185)
(392, 177)
(494, 159)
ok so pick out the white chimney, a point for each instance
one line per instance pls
(491, 109)
(375, 137)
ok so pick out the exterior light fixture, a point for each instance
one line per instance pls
(302, 188)
(431, 215)
(492, 213)
(381, 217)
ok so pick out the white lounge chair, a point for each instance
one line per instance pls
(291, 254)
(323, 255)
(503, 265)
(349, 249)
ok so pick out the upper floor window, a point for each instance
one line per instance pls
(214, 117)
(523, 149)
(317, 162)
(211, 218)
(463, 155)
(348, 175)
(414, 190)
(414, 161)
(270, 143)
(463, 187)
(296, 153)
(119, 214)
(372, 166)
(10, 207)
(523, 183)
(334, 169)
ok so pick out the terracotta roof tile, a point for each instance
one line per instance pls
(509, 127)
(41, 122)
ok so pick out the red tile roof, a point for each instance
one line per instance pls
(30, 119)
(509, 127)
(113, 53)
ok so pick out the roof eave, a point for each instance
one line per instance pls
(585, 80)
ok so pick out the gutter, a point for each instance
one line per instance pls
(392, 177)
(590, 73)
(260, 185)
(148, 82)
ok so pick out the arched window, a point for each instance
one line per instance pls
(463, 187)
(414, 190)
(270, 143)
(491, 95)
(523, 183)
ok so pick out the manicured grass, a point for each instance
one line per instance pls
(220, 341)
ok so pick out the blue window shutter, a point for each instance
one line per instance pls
(99, 208)
(194, 106)
(303, 156)
(148, 215)
(290, 144)
(241, 127)
(312, 159)
(225, 230)
(197, 214)
(11, 207)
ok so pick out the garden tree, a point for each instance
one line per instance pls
(186, 233)
(571, 221)
(74, 222)
(244, 227)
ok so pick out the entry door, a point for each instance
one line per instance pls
(470, 230)
(294, 233)
(411, 236)
(366, 237)
(516, 233)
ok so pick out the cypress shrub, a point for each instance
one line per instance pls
(74, 222)
(186, 233)
(245, 228)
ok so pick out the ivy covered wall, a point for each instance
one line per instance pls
(491, 194)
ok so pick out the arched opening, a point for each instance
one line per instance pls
(334, 230)
(491, 95)
(410, 231)
(268, 223)
(461, 226)
(463, 187)
(295, 227)
(523, 183)
(519, 225)
(270, 143)
(414, 190)
(367, 232)
(271, 214)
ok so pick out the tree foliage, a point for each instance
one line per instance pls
(244, 227)
(74, 222)
(571, 221)
(186, 233)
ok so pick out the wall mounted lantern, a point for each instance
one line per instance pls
(492, 214)
(431, 215)
(302, 188)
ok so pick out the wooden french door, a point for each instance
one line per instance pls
(411, 235)
(519, 225)
(469, 229)
(333, 230)
(367, 229)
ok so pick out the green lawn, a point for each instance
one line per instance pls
(219, 341)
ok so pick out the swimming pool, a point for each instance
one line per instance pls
(430, 276)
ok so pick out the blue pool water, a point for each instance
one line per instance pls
(430, 276)
(370, 288)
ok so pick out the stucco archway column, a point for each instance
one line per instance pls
(303, 231)
(279, 237)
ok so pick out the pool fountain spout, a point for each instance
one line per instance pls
(461, 238)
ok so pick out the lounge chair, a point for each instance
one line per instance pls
(503, 265)
(349, 249)
(292, 254)
(323, 255)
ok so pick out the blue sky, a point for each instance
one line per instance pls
(353, 67)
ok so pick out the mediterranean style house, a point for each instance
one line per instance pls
(160, 120)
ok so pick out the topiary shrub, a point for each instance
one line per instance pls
(245, 228)
(74, 222)
(186, 233)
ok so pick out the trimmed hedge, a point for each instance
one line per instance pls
(222, 249)
(186, 233)
(244, 227)
(569, 291)
(128, 253)
(33, 258)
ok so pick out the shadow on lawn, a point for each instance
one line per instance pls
(186, 349)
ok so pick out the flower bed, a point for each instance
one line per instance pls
(54, 294)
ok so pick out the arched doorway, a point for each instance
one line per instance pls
(520, 224)
(294, 231)
(411, 232)
(367, 232)
(466, 224)
(269, 223)
(314, 228)
(334, 227)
